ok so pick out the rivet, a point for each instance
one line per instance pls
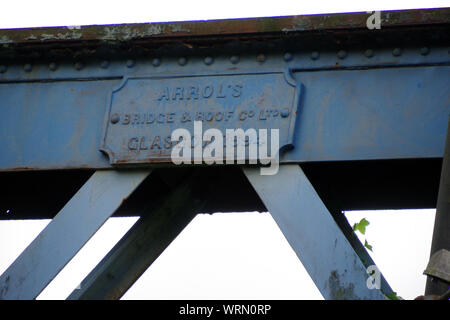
(78, 65)
(342, 54)
(104, 64)
(424, 51)
(396, 52)
(315, 55)
(288, 56)
(234, 59)
(27, 67)
(261, 58)
(115, 118)
(285, 113)
(53, 66)
(182, 61)
(3, 69)
(130, 63)
(209, 60)
(156, 62)
(368, 53)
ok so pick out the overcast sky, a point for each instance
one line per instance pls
(221, 256)
(238, 256)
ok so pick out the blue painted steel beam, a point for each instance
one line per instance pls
(67, 233)
(158, 226)
(366, 93)
(311, 231)
(388, 113)
(345, 114)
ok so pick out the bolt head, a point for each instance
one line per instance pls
(27, 67)
(342, 54)
(234, 59)
(3, 69)
(104, 64)
(182, 61)
(288, 56)
(78, 65)
(397, 52)
(285, 113)
(315, 55)
(156, 62)
(115, 118)
(424, 51)
(130, 63)
(369, 53)
(261, 58)
(53, 66)
(209, 60)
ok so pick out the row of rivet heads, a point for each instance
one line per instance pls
(209, 60)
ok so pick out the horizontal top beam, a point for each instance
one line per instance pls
(367, 95)
(246, 26)
(213, 31)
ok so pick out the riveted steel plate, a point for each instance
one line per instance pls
(144, 111)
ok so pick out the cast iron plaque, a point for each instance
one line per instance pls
(144, 111)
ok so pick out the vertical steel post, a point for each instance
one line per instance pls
(441, 232)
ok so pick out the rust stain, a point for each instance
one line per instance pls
(126, 32)
(338, 290)
(152, 38)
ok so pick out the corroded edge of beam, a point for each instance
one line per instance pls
(220, 28)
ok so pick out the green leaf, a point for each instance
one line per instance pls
(393, 296)
(367, 245)
(361, 226)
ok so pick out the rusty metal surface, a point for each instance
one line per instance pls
(287, 24)
(439, 265)
(332, 29)
(357, 91)
(440, 245)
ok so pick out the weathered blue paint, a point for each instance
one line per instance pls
(52, 125)
(357, 114)
(358, 104)
(169, 65)
(143, 112)
(67, 233)
(372, 114)
(314, 236)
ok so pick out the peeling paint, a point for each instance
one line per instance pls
(178, 28)
(4, 287)
(110, 33)
(118, 33)
(154, 29)
(5, 39)
(250, 27)
(125, 33)
(72, 35)
(339, 291)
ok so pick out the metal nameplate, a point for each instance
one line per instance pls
(144, 111)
